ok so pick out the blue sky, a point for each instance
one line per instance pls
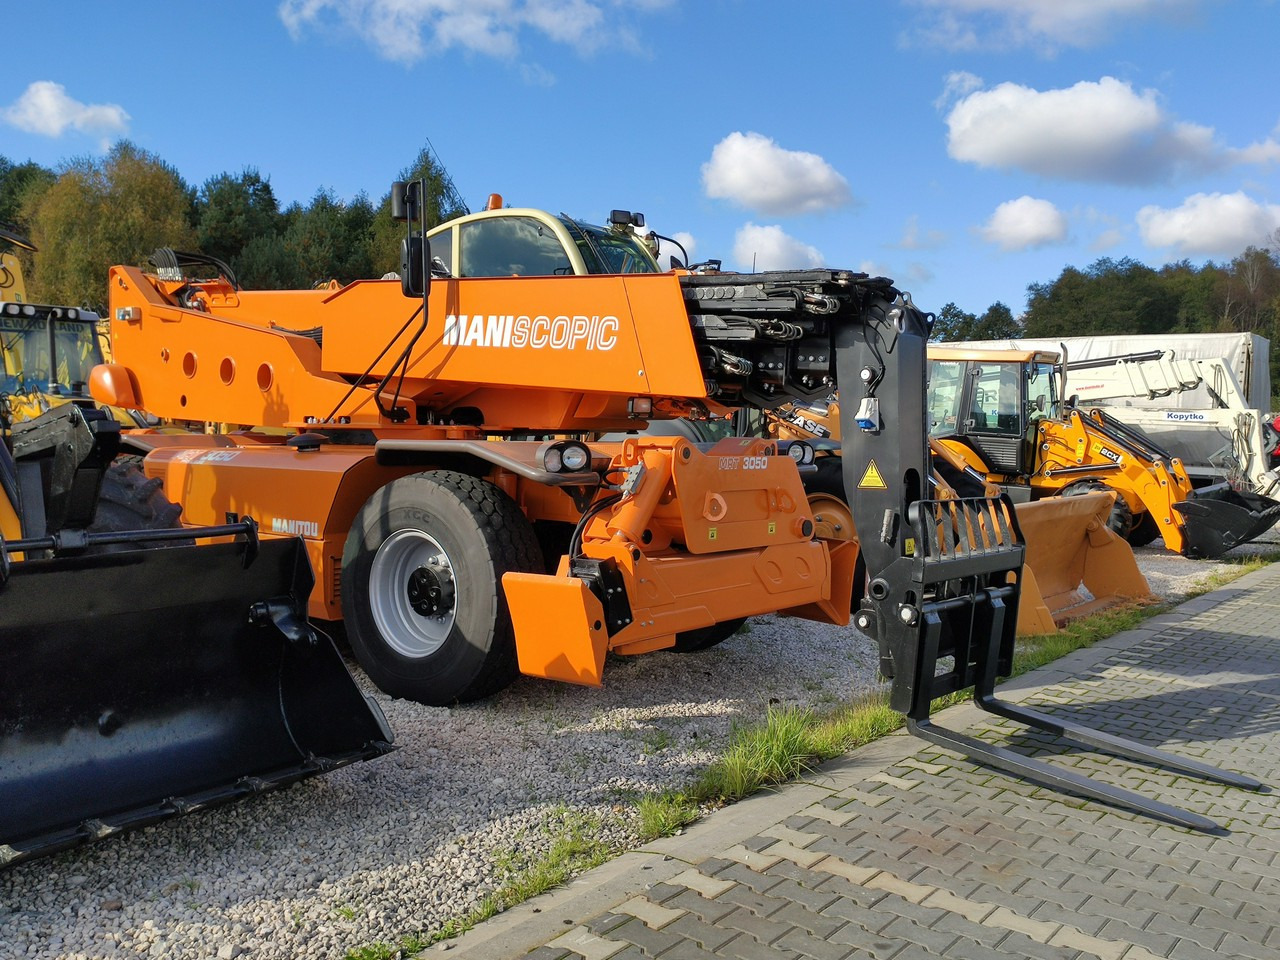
(965, 148)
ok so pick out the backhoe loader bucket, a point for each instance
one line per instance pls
(1075, 565)
(1217, 518)
(143, 684)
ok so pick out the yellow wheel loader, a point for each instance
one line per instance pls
(143, 676)
(46, 352)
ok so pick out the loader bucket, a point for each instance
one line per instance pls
(1077, 563)
(143, 684)
(1217, 518)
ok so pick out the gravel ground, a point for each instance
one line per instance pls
(402, 844)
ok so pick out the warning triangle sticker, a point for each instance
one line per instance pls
(871, 479)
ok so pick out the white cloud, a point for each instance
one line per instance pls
(754, 172)
(914, 239)
(958, 84)
(667, 250)
(1025, 223)
(1043, 24)
(1209, 224)
(45, 108)
(406, 30)
(1102, 131)
(769, 248)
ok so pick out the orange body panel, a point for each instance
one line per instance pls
(527, 352)
(574, 650)
(314, 495)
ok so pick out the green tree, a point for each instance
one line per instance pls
(1247, 295)
(953, 324)
(1110, 297)
(20, 185)
(331, 240)
(997, 323)
(443, 203)
(1196, 290)
(232, 211)
(102, 212)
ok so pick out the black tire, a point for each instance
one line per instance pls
(704, 638)
(129, 500)
(1145, 529)
(422, 586)
(1121, 519)
(829, 482)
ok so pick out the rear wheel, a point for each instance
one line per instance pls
(422, 586)
(1121, 520)
(128, 500)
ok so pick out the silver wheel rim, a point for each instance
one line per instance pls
(406, 630)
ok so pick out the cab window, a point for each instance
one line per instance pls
(945, 379)
(510, 246)
(610, 251)
(1042, 391)
(996, 398)
(442, 249)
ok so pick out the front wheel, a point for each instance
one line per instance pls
(704, 638)
(833, 518)
(422, 586)
(1121, 519)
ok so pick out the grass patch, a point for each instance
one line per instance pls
(575, 847)
(1238, 568)
(663, 814)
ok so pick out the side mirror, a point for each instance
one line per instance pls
(415, 278)
(415, 249)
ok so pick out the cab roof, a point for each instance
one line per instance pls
(960, 353)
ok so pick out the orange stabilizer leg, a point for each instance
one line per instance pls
(559, 627)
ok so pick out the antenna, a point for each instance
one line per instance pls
(448, 191)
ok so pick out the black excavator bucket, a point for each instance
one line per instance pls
(144, 684)
(1217, 518)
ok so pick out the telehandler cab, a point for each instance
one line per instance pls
(464, 524)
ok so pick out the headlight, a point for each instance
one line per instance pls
(575, 457)
(565, 456)
(800, 452)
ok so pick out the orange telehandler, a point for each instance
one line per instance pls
(463, 522)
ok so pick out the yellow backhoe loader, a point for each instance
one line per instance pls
(1005, 412)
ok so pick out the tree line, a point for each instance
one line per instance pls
(1125, 297)
(93, 212)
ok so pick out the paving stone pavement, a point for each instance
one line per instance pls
(905, 851)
